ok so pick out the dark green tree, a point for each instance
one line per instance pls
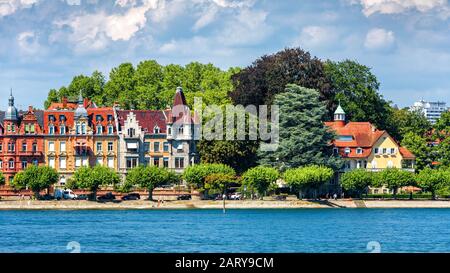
(260, 179)
(35, 178)
(418, 145)
(121, 86)
(149, 177)
(410, 122)
(310, 177)
(259, 83)
(432, 180)
(357, 180)
(304, 139)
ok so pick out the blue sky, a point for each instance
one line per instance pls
(44, 43)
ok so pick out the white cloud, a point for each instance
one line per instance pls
(28, 43)
(316, 36)
(371, 7)
(379, 38)
(8, 7)
(92, 31)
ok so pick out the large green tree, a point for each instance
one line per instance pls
(432, 180)
(260, 179)
(268, 76)
(149, 177)
(356, 88)
(195, 175)
(93, 178)
(418, 145)
(357, 180)
(35, 178)
(310, 177)
(304, 139)
(394, 179)
(410, 122)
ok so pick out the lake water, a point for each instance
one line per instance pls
(299, 230)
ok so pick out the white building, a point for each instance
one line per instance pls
(431, 110)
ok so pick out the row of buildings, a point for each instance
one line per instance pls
(71, 134)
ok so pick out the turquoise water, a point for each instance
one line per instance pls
(302, 230)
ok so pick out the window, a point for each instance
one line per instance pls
(132, 163)
(99, 146)
(62, 130)
(24, 147)
(99, 130)
(179, 162)
(99, 161)
(11, 164)
(181, 130)
(11, 147)
(345, 138)
(146, 147)
(131, 132)
(85, 161)
(98, 118)
(1, 147)
(110, 147)
(166, 162)
(111, 162)
(51, 146)
(83, 128)
(24, 165)
(78, 162)
(35, 162)
(62, 118)
(156, 161)
(34, 147)
(359, 151)
(169, 130)
(377, 151)
(393, 151)
(110, 117)
(1, 164)
(335, 151)
(166, 146)
(51, 162)
(390, 164)
(78, 129)
(384, 151)
(51, 130)
(62, 146)
(156, 130)
(347, 151)
(62, 163)
(156, 147)
(110, 130)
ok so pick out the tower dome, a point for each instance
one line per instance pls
(339, 114)
(81, 111)
(11, 112)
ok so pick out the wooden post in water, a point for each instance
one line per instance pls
(223, 202)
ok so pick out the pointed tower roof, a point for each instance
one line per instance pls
(179, 98)
(339, 110)
(11, 113)
(81, 111)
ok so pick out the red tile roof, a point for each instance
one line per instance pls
(147, 119)
(406, 153)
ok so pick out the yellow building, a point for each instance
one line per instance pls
(362, 145)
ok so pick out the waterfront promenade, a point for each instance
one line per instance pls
(205, 204)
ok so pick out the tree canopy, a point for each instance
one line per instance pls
(35, 178)
(195, 175)
(357, 180)
(304, 139)
(260, 179)
(93, 178)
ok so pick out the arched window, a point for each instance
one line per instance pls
(110, 129)
(99, 129)
(11, 164)
(51, 130)
(156, 130)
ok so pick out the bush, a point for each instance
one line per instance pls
(195, 175)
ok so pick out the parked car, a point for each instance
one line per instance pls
(236, 196)
(83, 197)
(46, 197)
(65, 194)
(106, 197)
(131, 196)
(184, 197)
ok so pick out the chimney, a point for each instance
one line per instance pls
(30, 109)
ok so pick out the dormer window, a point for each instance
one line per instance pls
(99, 130)
(83, 128)
(51, 130)
(345, 138)
(359, 151)
(62, 130)
(110, 130)
(98, 118)
(110, 117)
(181, 130)
(62, 118)
(347, 151)
(156, 130)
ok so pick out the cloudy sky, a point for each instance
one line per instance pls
(44, 43)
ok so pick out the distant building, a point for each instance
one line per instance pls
(431, 110)
(362, 146)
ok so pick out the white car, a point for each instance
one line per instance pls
(236, 196)
(65, 194)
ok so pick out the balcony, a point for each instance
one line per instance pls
(30, 153)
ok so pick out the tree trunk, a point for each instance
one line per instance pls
(433, 195)
(36, 195)
(150, 194)
(94, 195)
(395, 193)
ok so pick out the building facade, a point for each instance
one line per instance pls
(362, 145)
(21, 140)
(71, 134)
(431, 110)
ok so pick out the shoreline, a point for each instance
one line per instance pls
(207, 204)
